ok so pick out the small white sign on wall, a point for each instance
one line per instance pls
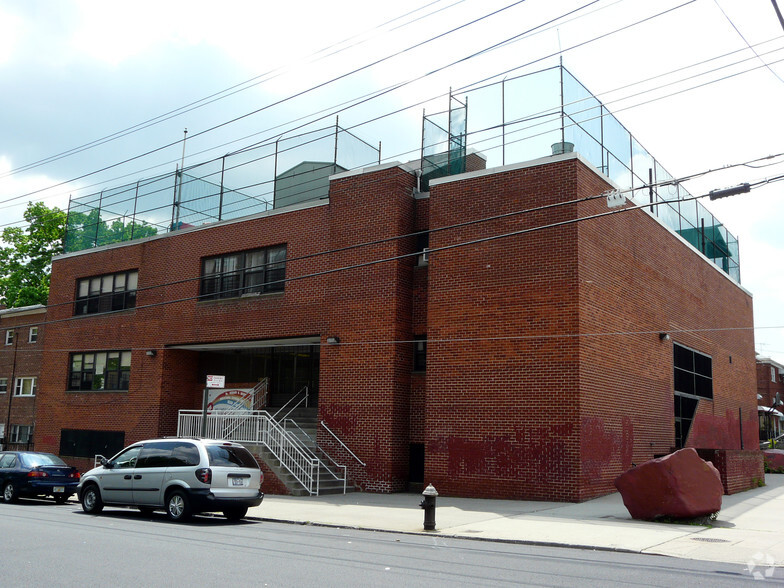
(216, 381)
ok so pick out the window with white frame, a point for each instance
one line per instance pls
(33, 338)
(9, 337)
(25, 386)
(3, 385)
(772, 374)
(21, 433)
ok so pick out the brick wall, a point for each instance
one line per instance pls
(548, 376)
(545, 375)
(740, 470)
(22, 359)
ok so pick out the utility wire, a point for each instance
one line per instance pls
(277, 102)
(746, 41)
(225, 93)
(432, 250)
(473, 88)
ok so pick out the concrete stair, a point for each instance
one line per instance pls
(302, 423)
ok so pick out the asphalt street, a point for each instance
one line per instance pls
(44, 543)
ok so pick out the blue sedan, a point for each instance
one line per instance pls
(31, 473)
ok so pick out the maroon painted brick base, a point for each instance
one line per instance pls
(740, 469)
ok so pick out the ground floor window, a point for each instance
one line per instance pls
(693, 381)
(21, 433)
(88, 443)
(3, 385)
(102, 370)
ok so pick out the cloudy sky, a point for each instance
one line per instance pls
(87, 85)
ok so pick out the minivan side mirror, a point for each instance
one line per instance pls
(106, 463)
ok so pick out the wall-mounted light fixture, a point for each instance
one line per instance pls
(664, 336)
(152, 352)
(334, 340)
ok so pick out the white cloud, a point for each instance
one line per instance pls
(11, 28)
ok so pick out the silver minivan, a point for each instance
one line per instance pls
(181, 476)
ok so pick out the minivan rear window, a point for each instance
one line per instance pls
(231, 456)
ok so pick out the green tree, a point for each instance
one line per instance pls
(26, 256)
(88, 230)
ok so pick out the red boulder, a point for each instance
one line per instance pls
(679, 485)
(774, 459)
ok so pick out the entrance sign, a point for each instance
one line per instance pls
(232, 399)
(216, 381)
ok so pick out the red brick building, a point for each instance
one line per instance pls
(22, 338)
(770, 382)
(537, 348)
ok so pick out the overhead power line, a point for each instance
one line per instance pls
(432, 250)
(230, 91)
(380, 93)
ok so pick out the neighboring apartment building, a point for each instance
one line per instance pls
(22, 331)
(770, 383)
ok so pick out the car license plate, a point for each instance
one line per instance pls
(237, 482)
(59, 489)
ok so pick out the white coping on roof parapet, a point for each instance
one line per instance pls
(23, 310)
(522, 165)
(407, 167)
(575, 155)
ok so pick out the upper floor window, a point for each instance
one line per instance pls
(3, 385)
(9, 337)
(25, 386)
(33, 337)
(248, 272)
(420, 353)
(102, 370)
(772, 374)
(106, 293)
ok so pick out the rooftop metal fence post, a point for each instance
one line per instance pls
(135, 203)
(220, 198)
(98, 219)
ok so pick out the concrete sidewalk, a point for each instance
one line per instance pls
(748, 529)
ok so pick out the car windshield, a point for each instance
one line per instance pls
(34, 460)
(231, 456)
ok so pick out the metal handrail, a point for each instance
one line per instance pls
(321, 449)
(259, 427)
(263, 385)
(304, 389)
(260, 390)
(323, 424)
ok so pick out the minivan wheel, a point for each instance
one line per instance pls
(9, 492)
(177, 506)
(235, 514)
(91, 500)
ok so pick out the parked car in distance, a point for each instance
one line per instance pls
(180, 476)
(32, 474)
